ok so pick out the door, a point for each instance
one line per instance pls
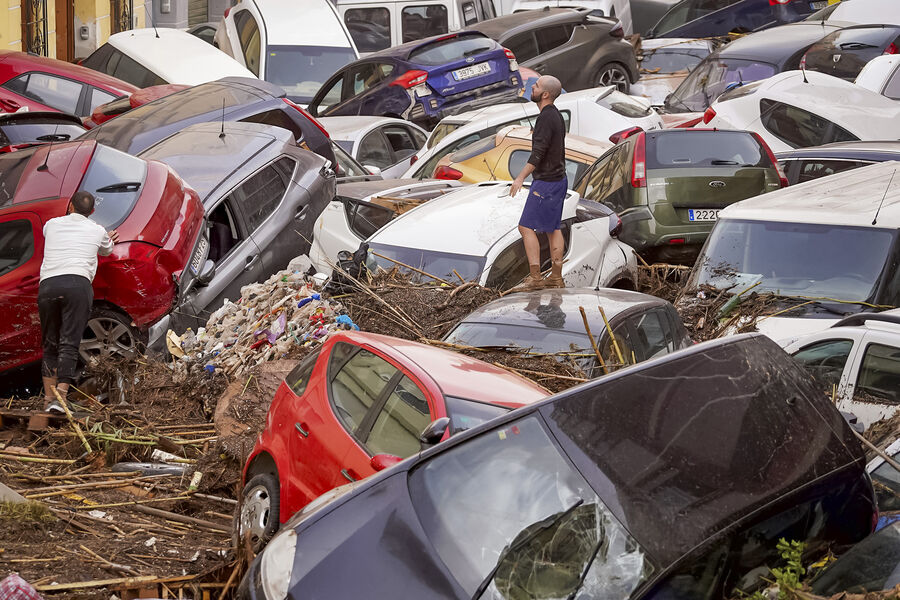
(554, 55)
(65, 30)
(830, 361)
(41, 91)
(21, 252)
(874, 389)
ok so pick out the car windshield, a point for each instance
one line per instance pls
(623, 104)
(689, 149)
(22, 133)
(466, 414)
(542, 340)
(115, 179)
(301, 70)
(439, 264)
(451, 49)
(795, 259)
(710, 78)
(511, 518)
(671, 59)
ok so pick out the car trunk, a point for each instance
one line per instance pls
(462, 63)
(845, 52)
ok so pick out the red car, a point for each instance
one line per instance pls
(105, 112)
(359, 405)
(159, 220)
(41, 83)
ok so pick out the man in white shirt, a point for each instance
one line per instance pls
(65, 296)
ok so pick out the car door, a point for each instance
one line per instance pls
(653, 334)
(329, 97)
(404, 141)
(555, 56)
(42, 91)
(831, 361)
(21, 252)
(873, 391)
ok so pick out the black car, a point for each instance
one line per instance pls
(843, 53)
(750, 58)
(806, 164)
(706, 18)
(21, 129)
(581, 50)
(673, 478)
(228, 99)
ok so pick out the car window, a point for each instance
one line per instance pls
(262, 193)
(668, 59)
(623, 104)
(34, 130)
(277, 118)
(466, 414)
(597, 180)
(809, 169)
(706, 82)
(509, 268)
(879, 374)
(248, 36)
(115, 179)
(16, 244)
(549, 38)
(55, 92)
(12, 167)
(346, 165)
(298, 378)
(223, 230)
(557, 533)
(620, 349)
(689, 149)
(799, 128)
(825, 360)
(523, 46)
(370, 28)
(886, 483)
(470, 15)
(373, 150)
(127, 69)
(892, 88)
(448, 49)
(518, 159)
(487, 9)
(685, 12)
(417, 22)
(302, 70)
(332, 97)
(99, 97)
(398, 425)
(401, 141)
(364, 218)
(99, 58)
(357, 385)
(362, 77)
(653, 334)
(419, 138)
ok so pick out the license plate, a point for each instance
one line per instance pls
(199, 255)
(472, 71)
(818, 4)
(703, 214)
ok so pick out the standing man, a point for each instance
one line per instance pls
(65, 296)
(543, 208)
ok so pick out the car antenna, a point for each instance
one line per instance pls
(880, 204)
(222, 130)
(44, 166)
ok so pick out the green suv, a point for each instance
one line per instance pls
(668, 186)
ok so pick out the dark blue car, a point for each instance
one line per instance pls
(704, 18)
(424, 80)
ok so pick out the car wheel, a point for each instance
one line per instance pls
(258, 511)
(613, 74)
(109, 333)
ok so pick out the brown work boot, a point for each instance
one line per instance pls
(555, 279)
(533, 281)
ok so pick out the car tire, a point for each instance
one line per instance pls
(613, 74)
(110, 333)
(258, 512)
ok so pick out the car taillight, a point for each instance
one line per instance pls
(639, 163)
(777, 2)
(781, 176)
(306, 114)
(617, 31)
(803, 62)
(509, 54)
(445, 172)
(413, 159)
(624, 134)
(892, 49)
(513, 63)
(227, 10)
(411, 79)
(616, 229)
(709, 114)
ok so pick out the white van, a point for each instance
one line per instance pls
(297, 49)
(616, 9)
(376, 24)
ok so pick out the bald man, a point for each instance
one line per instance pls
(543, 208)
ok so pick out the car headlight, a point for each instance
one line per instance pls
(276, 565)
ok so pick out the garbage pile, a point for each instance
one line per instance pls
(281, 317)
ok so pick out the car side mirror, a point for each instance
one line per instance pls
(380, 462)
(432, 434)
(373, 170)
(206, 273)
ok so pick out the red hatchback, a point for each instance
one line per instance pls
(41, 83)
(358, 405)
(159, 220)
(103, 113)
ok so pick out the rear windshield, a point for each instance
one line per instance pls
(23, 133)
(689, 149)
(440, 132)
(12, 165)
(451, 50)
(479, 147)
(301, 70)
(671, 59)
(466, 414)
(115, 179)
(710, 79)
(623, 104)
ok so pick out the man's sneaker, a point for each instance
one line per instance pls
(529, 284)
(55, 407)
(554, 281)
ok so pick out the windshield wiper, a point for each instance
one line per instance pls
(54, 137)
(125, 186)
(723, 162)
(856, 46)
(544, 526)
(475, 51)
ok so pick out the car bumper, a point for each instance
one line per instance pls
(432, 109)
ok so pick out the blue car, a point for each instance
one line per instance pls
(423, 81)
(707, 18)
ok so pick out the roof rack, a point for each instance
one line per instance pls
(862, 318)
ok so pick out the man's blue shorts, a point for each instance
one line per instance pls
(543, 207)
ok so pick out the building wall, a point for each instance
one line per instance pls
(11, 12)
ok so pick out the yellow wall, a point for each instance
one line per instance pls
(11, 25)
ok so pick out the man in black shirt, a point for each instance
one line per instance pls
(543, 208)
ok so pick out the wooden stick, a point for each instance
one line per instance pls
(81, 585)
(36, 459)
(181, 518)
(880, 453)
(234, 572)
(455, 272)
(410, 267)
(74, 424)
(587, 328)
(542, 374)
(123, 568)
(612, 336)
(76, 476)
(132, 503)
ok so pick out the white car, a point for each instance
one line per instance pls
(382, 142)
(361, 208)
(617, 9)
(472, 234)
(664, 63)
(157, 56)
(295, 46)
(593, 113)
(882, 76)
(860, 12)
(799, 109)
(825, 249)
(858, 361)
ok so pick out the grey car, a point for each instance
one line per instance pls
(580, 49)
(261, 194)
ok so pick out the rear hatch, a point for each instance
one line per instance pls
(459, 63)
(692, 174)
(845, 52)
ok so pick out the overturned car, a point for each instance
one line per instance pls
(671, 479)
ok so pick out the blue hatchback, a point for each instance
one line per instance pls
(423, 81)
